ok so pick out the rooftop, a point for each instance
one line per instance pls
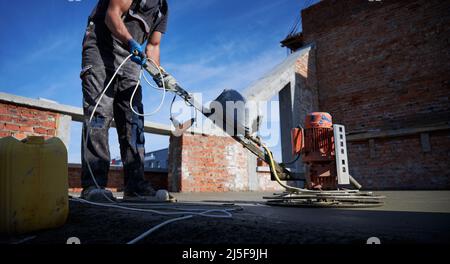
(407, 217)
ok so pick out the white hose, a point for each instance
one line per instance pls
(153, 229)
(187, 214)
(137, 87)
(150, 84)
(131, 106)
(211, 213)
(204, 212)
(107, 87)
(90, 122)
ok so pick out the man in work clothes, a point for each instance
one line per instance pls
(116, 29)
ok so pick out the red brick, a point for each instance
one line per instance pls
(13, 111)
(48, 124)
(3, 109)
(47, 116)
(26, 129)
(12, 127)
(28, 122)
(40, 130)
(5, 118)
(27, 113)
(20, 136)
(51, 132)
(4, 134)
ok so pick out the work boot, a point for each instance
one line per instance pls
(93, 194)
(148, 194)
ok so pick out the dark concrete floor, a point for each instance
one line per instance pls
(407, 217)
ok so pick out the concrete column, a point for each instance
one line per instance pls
(286, 97)
(253, 181)
(298, 99)
(63, 129)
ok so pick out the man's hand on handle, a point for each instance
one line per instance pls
(138, 52)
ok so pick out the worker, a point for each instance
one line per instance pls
(116, 29)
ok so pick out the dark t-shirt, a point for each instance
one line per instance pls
(162, 25)
(102, 49)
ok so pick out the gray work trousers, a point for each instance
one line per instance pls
(130, 127)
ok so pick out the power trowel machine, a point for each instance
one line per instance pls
(321, 145)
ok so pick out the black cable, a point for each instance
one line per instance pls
(171, 107)
(291, 162)
(188, 104)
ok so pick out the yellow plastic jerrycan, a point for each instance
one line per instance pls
(33, 184)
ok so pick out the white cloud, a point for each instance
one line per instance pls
(206, 77)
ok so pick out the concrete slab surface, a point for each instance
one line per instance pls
(408, 217)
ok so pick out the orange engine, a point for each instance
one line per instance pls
(315, 143)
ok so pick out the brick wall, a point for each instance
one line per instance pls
(400, 163)
(265, 182)
(115, 179)
(214, 164)
(20, 122)
(384, 66)
(23, 121)
(207, 164)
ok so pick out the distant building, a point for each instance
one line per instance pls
(154, 161)
(116, 162)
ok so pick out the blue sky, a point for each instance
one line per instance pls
(210, 45)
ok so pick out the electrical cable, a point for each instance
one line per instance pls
(298, 154)
(172, 118)
(171, 108)
(153, 229)
(137, 87)
(187, 215)
(201, 212)
(88, 127)
(293, 161)
(150, 84)
(211, 213)
(274, 172)
(287, 187)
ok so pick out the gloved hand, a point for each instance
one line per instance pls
(138, 52)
